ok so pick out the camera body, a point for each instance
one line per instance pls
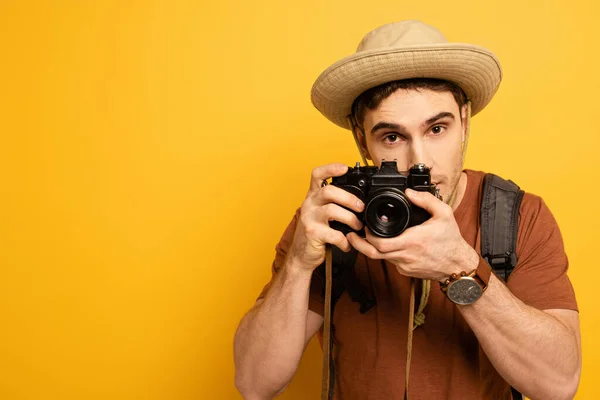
(388, 211)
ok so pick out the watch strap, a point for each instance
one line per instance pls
(481, 274)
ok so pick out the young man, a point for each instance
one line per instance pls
(408, 95)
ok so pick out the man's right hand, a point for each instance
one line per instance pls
(322, 205)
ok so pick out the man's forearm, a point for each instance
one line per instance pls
(532, 350)
(271, 338)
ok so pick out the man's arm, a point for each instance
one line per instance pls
(271, 338)
(273, 335)
(537, 352)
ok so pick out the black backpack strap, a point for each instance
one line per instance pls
(500, 204)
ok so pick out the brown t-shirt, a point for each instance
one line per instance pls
(447, 361)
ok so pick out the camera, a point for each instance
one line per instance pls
(388, 211)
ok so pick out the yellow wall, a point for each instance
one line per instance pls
(153, 151)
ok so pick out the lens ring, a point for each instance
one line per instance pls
(382, 204)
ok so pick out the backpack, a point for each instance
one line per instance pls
(499, 221)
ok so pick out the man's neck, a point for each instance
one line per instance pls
(461, 188)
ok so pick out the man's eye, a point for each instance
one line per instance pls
(437, 129)
(391, 138)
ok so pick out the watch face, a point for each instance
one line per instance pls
(464, 291)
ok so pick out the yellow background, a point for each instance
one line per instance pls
(153, 151)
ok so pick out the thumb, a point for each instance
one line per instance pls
(426, 201)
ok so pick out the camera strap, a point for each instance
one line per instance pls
(326, 385)
(411, 315)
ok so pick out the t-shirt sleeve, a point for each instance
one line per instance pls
(540, 277)
(316, 301)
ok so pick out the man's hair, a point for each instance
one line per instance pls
(372, 98)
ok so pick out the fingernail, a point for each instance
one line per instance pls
(359, 204)
(410, 192)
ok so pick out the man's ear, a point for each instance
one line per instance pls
(360, 134)
(463, 123)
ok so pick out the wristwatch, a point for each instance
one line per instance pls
(466, 288)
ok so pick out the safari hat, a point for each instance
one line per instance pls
(404, 50)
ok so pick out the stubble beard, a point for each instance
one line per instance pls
(453, 181)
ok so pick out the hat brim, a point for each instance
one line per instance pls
(475, 69)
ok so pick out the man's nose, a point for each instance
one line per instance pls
(418, 154)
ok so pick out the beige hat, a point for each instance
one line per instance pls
(404, 50)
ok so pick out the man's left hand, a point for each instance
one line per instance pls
(433, 250)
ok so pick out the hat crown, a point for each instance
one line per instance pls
(399, 34)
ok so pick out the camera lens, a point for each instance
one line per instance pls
(387, 213)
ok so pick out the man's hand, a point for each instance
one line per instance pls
(433, 250)
(323, 204)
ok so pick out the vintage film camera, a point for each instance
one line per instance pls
(388, 211)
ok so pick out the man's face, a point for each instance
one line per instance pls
(418, 126)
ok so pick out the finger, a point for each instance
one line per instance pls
(334, 212)
(428, 202)
(324, 172)
(387, 245)
(364, 247)
(334, 194)
(335, 238)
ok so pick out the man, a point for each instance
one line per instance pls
(407, 94)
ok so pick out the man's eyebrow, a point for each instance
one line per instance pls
(387, 125)
(441, 115)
